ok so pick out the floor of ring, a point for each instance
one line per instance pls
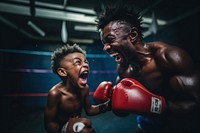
(20, 119)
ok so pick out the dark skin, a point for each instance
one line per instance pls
(67, 99)
(165, 70)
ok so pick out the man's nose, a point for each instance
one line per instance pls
(106, 48)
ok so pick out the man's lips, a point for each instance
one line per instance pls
(118, 57)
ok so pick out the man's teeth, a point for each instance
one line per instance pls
(116, 57)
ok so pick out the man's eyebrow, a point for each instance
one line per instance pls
(117, 28)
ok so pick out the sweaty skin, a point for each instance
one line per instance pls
(67, 98)
(164, 69)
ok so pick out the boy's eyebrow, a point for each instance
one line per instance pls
(71, 60)
(79, 58)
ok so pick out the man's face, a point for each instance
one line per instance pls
(116, 42)
(77, 69)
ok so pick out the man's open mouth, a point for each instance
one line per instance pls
(118, 58)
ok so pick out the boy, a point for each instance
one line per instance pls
(67, 98)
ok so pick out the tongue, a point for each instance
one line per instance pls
(83, 81)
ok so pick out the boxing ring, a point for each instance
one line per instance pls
(26, 78)
(33, 76)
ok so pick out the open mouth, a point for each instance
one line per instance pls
(83, 77)
(118, 58)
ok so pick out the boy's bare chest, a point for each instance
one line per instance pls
(71, 106)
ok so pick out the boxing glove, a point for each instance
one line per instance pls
(102, 96)
(77, 125)
(132, 97)
(103, 92)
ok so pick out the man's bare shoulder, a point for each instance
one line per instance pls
(171, 56)
(157, 45)
(164, 46)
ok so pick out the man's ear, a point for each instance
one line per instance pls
(62, 72)
(133, 34)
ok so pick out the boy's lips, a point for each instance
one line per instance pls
(83, 77)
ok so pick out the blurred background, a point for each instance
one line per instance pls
(30, 30)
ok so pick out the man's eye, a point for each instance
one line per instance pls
(110, 40)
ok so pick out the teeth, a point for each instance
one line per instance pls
(84, 72)
(113, 55)
(117, 57)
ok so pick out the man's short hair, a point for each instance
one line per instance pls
(120, 12)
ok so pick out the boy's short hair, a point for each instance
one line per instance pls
(61, 52)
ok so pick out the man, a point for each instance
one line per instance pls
(67, 98)
(157, 81)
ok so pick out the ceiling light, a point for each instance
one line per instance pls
(91, 28)
(64, 34)
(69, 8)
(63, 15)
(36, 28)
(76, 40)
(16, 9)
(149, 20)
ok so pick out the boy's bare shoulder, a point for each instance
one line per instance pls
(55, 90)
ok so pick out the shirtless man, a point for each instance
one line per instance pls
(146, 71)
(67, 98)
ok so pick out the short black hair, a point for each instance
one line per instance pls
(120, 12)
(61, 52)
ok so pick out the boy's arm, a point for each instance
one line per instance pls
(50, 113)
(99, 108)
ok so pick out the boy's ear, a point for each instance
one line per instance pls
(134, 34)
(62, 72)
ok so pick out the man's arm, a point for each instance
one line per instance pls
(130, 96)
(185, 80)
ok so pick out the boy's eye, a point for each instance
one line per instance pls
(77, 62)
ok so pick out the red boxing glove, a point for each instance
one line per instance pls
(132, 97)
(103, 92)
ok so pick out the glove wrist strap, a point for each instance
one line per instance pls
(103, 107)
(64, 128)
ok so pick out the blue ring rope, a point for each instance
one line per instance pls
(48, 53)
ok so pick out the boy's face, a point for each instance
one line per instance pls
(77, 69)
